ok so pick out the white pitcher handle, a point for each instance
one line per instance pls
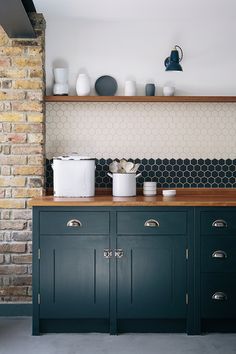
(110, 175)
(139, 174)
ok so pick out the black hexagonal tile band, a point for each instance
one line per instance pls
(170, 173)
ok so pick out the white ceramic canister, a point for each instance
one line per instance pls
(83, 87)
(130, 88)
(73, 176)
(123, 184)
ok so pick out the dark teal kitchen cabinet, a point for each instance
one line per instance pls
(137, 269)
(216, 232)
(97, 269)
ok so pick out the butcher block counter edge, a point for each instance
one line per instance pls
(184, 197)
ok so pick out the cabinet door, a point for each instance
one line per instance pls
(151, 277)
(74, 277)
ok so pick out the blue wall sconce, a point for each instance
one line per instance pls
(172, 63)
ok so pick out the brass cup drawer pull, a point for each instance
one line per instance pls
(219, 254)
(219, 296)
(74, 223)
(220, 223)
(151, 223)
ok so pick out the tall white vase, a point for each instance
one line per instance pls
(83, 87)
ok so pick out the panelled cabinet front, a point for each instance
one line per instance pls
(217, 234)
(151, 274)
(74, 277)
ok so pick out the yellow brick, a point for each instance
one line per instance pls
(27, 106)
(27, 192)
(27, 128)
(12, 117)
(35, 138)
(12, 160)
(33, 95)
(11, 51)
(12, 203)
(35, 160)
(35, 51)
(13, 73)
(27, 149)
(36, 73)
(12, 181)
(27, 84)
(27, 62)
(11, 95)
(35, 117)
(28, 170)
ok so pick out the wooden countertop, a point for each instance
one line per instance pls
(184, 197)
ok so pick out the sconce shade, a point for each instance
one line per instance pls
(172, 63)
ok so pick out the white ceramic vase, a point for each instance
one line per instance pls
(130, 88)
(83, 85)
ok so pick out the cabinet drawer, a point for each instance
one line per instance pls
(218, 223)
(218, 254)
(218, 295)
(151, 222)
(74, 222)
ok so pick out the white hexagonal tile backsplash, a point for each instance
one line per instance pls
(143, 130)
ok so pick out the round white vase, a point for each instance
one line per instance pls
(83, 85)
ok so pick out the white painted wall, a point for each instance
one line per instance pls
(130, 39)
(132, 47)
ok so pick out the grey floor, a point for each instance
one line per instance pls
(15, 338)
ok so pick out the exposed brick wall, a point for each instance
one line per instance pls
(22, 140)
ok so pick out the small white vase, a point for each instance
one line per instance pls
(130, 88)
(83, 85)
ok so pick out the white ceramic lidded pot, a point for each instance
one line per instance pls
(83, 87)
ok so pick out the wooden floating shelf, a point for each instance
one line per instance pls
(140, 99)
